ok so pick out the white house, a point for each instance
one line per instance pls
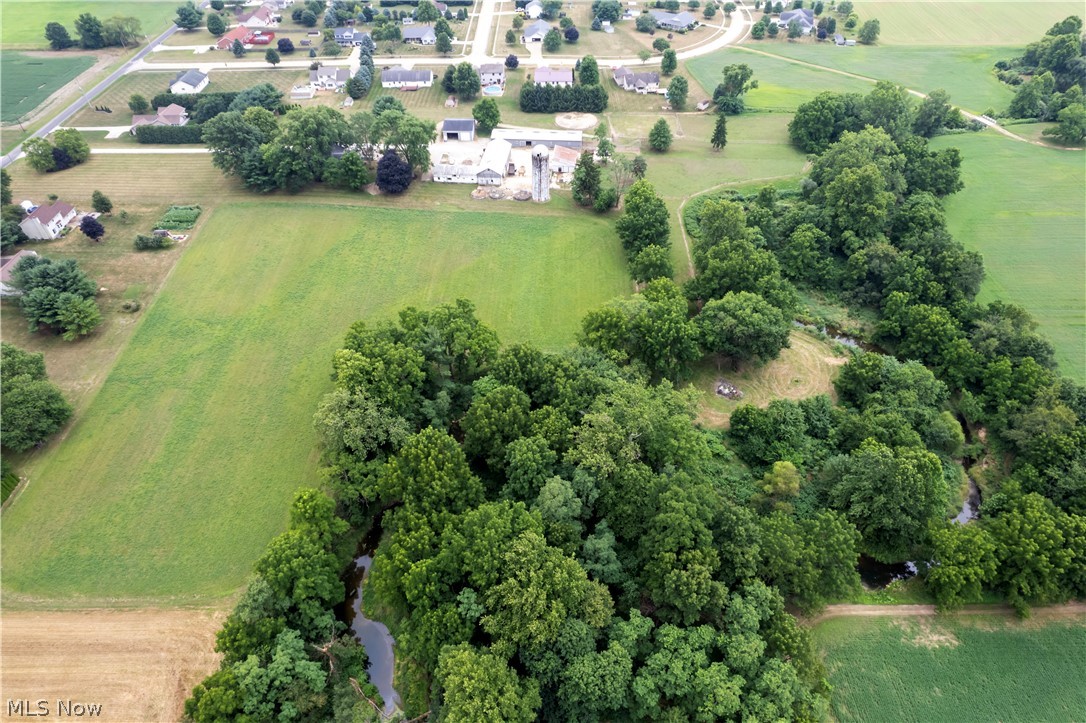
(491, 74)
(553, 76)
(47, 222)
(639, 82)
(189, 81)
(535, 32)
(533, 9)
(349, 37)
(494, 163)
(328, 78)
(262, 17)
(404, 78)
(423, 35)
(674, 21)
(7, 265)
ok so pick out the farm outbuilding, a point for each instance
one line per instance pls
(495, 160)
(458, 129)
(532, 136)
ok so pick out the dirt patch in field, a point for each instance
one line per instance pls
(139, 665)
(576, 121)
(922, 633)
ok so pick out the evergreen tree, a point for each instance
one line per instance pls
(720, 132)
(586, 180)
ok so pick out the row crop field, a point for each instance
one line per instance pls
(961, 669)
(24, 20)
(182, 467)
(27, 80)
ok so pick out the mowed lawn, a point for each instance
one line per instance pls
(960, 669)
(182, 468)
(1022, 208)
(26, 81)
(958, 22)
(24, 20)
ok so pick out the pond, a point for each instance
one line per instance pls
(834, 334)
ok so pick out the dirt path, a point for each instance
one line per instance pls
(1070, 610)
(139, 665)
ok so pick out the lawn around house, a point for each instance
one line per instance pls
(182, 467)
(24, 20)
(27, 80)
(962, 669)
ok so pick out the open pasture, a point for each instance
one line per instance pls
(171, 483)
(963, 669)
(24, 21)
(27, 80)
(1022, 209)
(954, 22)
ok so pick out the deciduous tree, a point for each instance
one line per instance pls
(660, 136)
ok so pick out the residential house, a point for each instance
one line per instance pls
(441, 8)
(449, 173)
(226, 42)
(423, 35)
(563, 160)
(639, 82)
(491, 74)
(47, 222)
(458, 129)
(803, 16)
(674, 21)
(7, 265)
(189, 81)
(533, 9)
(404, 78)
(535, 32)
(263, 17)
(528, 137)
(553, 76)
(171, 115)
(329, 78)
(494, 163)
(349, 37)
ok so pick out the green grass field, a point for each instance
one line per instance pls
(958, 22)
(1022, 208)
(982, 668)
(23, 21)
(182, 467)
(26, 81)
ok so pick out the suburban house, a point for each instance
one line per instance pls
(803, 16)
(404, 78)
(533, 9)
(171, 115)
(458, 129)
(349, 37)
(535, 32)
(491, 74)
(7, 265)
(674, 21)
(262, 17)
(448, 173)
(189, 81)
(441, 8)
(46, 222)
(563, 159)
(639, 82)
(240, 33)
(328, 78)
(423, 35)
(494, 163)
(553, 76)
(534, 136)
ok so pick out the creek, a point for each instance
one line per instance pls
(834, 334)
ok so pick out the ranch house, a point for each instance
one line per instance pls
(263, 17)
(423, 35)
(189, 81)
(171, 115)
(679, 22)
(643, 82)
(240, 33)
(535, 32)
(803, 16)
(553, 76)
(407, 79)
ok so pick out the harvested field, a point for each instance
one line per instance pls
(139, 665)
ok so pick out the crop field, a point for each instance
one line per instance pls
(24, 20)
(963, 669)
(973, 84)
(181, 469)
(1022, 209)
(953, 22)
(26, 80)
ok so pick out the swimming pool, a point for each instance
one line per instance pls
(492, 90)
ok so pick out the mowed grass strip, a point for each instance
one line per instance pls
(26, 80)
(182, 468)
(953, 22)
(1022, 209)
(958, 669)
(24, 21)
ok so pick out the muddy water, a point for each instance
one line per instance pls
(971, 504)
(374, 636)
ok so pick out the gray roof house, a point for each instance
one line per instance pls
(491, 74)
(189, 81)
(404, 78)
(553, 76)
(329, 78)
(803, 16)
(643, 82)
(674, 21)
(349, 37)
(422, 34)
(535, 32)
(458, 129)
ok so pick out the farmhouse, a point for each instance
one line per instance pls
(533, 136)
(643, 82)
(533, 9)
(674, 21)
(447, 173)
(349, 37)
(803, 16)
(563, 160)
(47, 222)
(491, 74)
(495, 161)
(171, 115)
(241, 34)
(409, 79)
(327, 78)
(423, 35)
(262, 17)
(7, 265)
(458, 129)
(189, 81)
(553, 76)
(535, 32)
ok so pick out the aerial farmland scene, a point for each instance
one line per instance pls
(543, 360)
